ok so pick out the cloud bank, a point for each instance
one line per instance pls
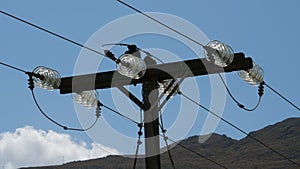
(32, 147)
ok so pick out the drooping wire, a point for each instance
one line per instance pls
(139, 142)
(195, 152)
(52, 33)
(13, 67)
(260, 93)
(164, 131)
(280, 95)
(161, 23)
(98, 113)
(239, 129)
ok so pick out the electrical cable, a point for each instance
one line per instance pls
(260, 93)
(55, 122)
(138, 143)
(161, 23)
(98, 114)
(31, 87)
(280, 95)
(163, 130)
(13, 67)
(168, 149)
(52, 33)
(120, 114)
(239, 129)
(195, 152)
(176, 88)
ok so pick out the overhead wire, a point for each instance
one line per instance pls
(120, 114)
(161, 23)
(52, 33)
(239, 129)
(12, 67)
(280, 95)
(196, 153)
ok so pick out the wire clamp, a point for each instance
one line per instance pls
(261, 89)
(98, 110)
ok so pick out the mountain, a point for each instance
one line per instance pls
(283, 137)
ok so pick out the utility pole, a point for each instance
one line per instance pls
(151, 125)
(150, 80)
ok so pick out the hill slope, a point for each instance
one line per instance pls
(284, 137)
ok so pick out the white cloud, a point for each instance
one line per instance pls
(31, 147)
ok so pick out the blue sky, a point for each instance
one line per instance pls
(267, 31)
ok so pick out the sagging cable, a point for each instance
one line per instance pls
(31, 87)
(240, 105)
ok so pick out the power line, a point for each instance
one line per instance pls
(280, 95)
(195, 152)
(13, 67)
(161, 23)
(120, 114)
(52, 33)
(239, 129)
